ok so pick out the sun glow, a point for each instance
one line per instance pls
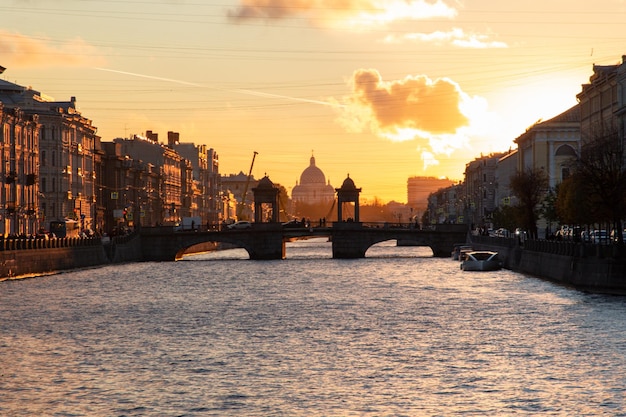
(385, 12)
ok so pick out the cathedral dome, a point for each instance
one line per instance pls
(313, 188)
(312, 174)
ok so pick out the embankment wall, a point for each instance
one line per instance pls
(593, 268)
(24, 257)
(36, 261)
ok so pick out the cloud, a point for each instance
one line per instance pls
(416, 102)
(342, 12)
(437, 113)
(19, 50)
(456, 37)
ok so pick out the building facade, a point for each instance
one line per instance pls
(172, 188)
(620, 112)
(130, 191)
(419, 188)
(214, 180)
(20, 212)
(67, 148)
(445, 205)
(205, 195)
(479, 200)
(237, 192)
(507, 167)
(551, 145)
(602, 101)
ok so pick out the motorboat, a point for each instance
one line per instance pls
(458, 249)
(480, 261)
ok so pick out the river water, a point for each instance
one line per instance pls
(398, 333)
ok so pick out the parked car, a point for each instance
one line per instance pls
(502, 232)
(585, 236)
(240, 225)
(564, 233)
(293, 223)
(615, 237)
(600, 237)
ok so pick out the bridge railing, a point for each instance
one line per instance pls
(557, 247)
(317, 225)
(29, 243)
(391, 225)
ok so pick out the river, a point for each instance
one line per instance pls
(399, 333)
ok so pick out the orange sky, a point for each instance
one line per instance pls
(380, 90)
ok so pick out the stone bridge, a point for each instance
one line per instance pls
(350, 240)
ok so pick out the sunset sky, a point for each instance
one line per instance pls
(379, 90)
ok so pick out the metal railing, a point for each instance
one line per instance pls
(28, 243)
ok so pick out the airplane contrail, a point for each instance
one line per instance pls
(171, 80)
(270, 95)
(237, 90)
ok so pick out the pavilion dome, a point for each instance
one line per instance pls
(348, 184)
(265, 182)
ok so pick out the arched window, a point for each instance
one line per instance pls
(565, 150)
(563, 155)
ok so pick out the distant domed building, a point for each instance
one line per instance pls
(313, 188)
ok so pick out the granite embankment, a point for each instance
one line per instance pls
(587, 267)
(26, 257)
(22, 257)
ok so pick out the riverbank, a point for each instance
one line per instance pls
(37, 257)
(591, 268)
(587, 267)
(34, 257)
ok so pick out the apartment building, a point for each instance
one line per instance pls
(19, 170)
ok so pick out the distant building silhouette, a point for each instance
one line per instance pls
(233, 186)
(419, 188)
(313, 188)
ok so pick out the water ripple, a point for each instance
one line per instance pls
(219, 335)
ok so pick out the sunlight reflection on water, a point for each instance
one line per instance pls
(219, 334)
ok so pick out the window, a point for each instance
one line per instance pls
(565, 150)
(564, 173)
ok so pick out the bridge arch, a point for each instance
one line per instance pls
(163, 244)
(413, 245)
(423, 241)
(206, 245)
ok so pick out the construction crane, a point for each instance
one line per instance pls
(242, 205)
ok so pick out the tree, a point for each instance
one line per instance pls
(506, 217)
(283, 202)
(573, 202)
(601, 170)
(529, 187)
(548, 207)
